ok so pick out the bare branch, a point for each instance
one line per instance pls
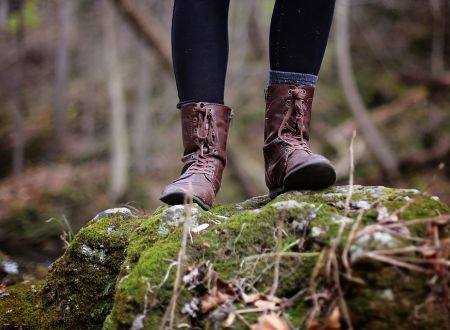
(149, 29)
(380, 149)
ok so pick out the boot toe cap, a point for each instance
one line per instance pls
(177, 192)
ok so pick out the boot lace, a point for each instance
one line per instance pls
(205, 139)
(291, 128)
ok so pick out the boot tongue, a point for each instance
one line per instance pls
(298, 113)
(205, 130)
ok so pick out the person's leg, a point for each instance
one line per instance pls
(200, 55)
(200, 49)
(298, 37)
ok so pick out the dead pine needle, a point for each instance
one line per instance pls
(180, 262)
(345, 253)
(276, 270)
(351, 175)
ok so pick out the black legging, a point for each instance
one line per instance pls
(298, 36)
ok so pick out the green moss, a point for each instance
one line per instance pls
(22, 306)
(115, 265)
(392, 297)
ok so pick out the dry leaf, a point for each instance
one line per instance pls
(198, 275)
(207, 303)
(313, 325)
(265, 304)
(270, 322)
(333, 322)
(200, 228)
(218, 295)
(229, 320)
(3, 291)
(250, 298)
(382, 212)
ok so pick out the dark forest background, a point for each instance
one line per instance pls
(88, 118)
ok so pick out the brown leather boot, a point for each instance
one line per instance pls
(289, 162)
(205, 130)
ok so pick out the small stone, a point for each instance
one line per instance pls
(365, 205)
(93, 253)
(410, 191)
(316, 231)
(300, 227)
(10, 267)
(175, 215)
(111, 229)
(332, 196)
(191, 308)
(118, 210)
(338, 204)
(86, 250)
(435, 198)
(387, 294)
(339, 219)
(373, 241)
(290, 204)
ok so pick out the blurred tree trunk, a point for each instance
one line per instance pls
(4, 10)
(118, 121)
(438, 39)
(141, 126)
(256, 37)
(386, 159)
(19, 98)
(61, 72)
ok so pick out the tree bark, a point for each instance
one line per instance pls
(19, 99)
(4, 10)
(118, 122)
(61, 72)
(437, 8)
(141, 129)
(380, 149)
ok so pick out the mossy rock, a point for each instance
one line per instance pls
(119, 271)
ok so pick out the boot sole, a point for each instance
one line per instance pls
(314, 175)
(179, 198)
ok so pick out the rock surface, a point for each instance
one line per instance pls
(380, 263)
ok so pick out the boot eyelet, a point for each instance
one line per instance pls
(195, 130)
(194, 119)
(290, 91)
(196, 140)
(215, 151)
(288, 103)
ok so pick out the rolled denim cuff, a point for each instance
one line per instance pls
(296, 78)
